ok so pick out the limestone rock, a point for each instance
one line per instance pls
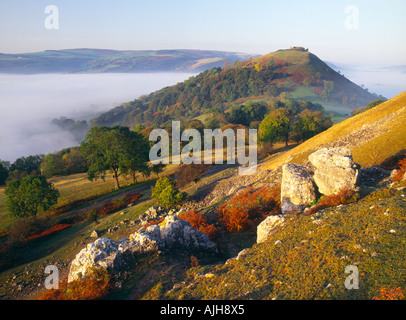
(102, 253)
(335, 170)
(94, 234)
(297, 189)
(178, 233)
(267, 227)
(172, 233)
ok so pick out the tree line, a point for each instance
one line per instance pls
(123, 151)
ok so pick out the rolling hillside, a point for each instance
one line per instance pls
(373, 136)
(294, 73)
(100, 60)
(305, 259)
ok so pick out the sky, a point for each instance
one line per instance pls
(354, 31)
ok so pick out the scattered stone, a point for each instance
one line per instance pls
(94, 234)
(297, 189)
(317, 221)
(241, 254)
(267, 227)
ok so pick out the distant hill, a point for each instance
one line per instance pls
(100, 60)
(294, 73)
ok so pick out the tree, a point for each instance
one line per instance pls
(26, 166)
(116, 149)
(275, 126)
(64, 162)
(309, 123)
(52, 165)
(27, 196)
(166, 193)
(3, 174)
(328, 89)
(137, 155)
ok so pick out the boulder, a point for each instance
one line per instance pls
(178, 233)
(267, 227)
(172, 233)
(297, 189)
(103, 253)
(335, 170)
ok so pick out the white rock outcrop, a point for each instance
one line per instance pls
(172, 233)
(335, 170)
(297, 189)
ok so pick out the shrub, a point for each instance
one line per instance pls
(344, 196)
(166, 193)
(187, 173)
(199, 222)
(194, 262)
(95, 286)
(53, 229)
(116, 205)
(249, 206)
(153, 222)
(22, 229)
(91, 216)
(401, 171)
(390, 294)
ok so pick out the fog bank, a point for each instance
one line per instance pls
(29, 102)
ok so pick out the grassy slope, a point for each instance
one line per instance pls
(373, 151)
(310, 261)
(275, 271)
(302, 65)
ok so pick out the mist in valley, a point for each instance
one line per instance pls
(29, 103)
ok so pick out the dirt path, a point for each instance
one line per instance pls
(106, 201)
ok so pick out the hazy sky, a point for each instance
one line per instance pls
(253, 26)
